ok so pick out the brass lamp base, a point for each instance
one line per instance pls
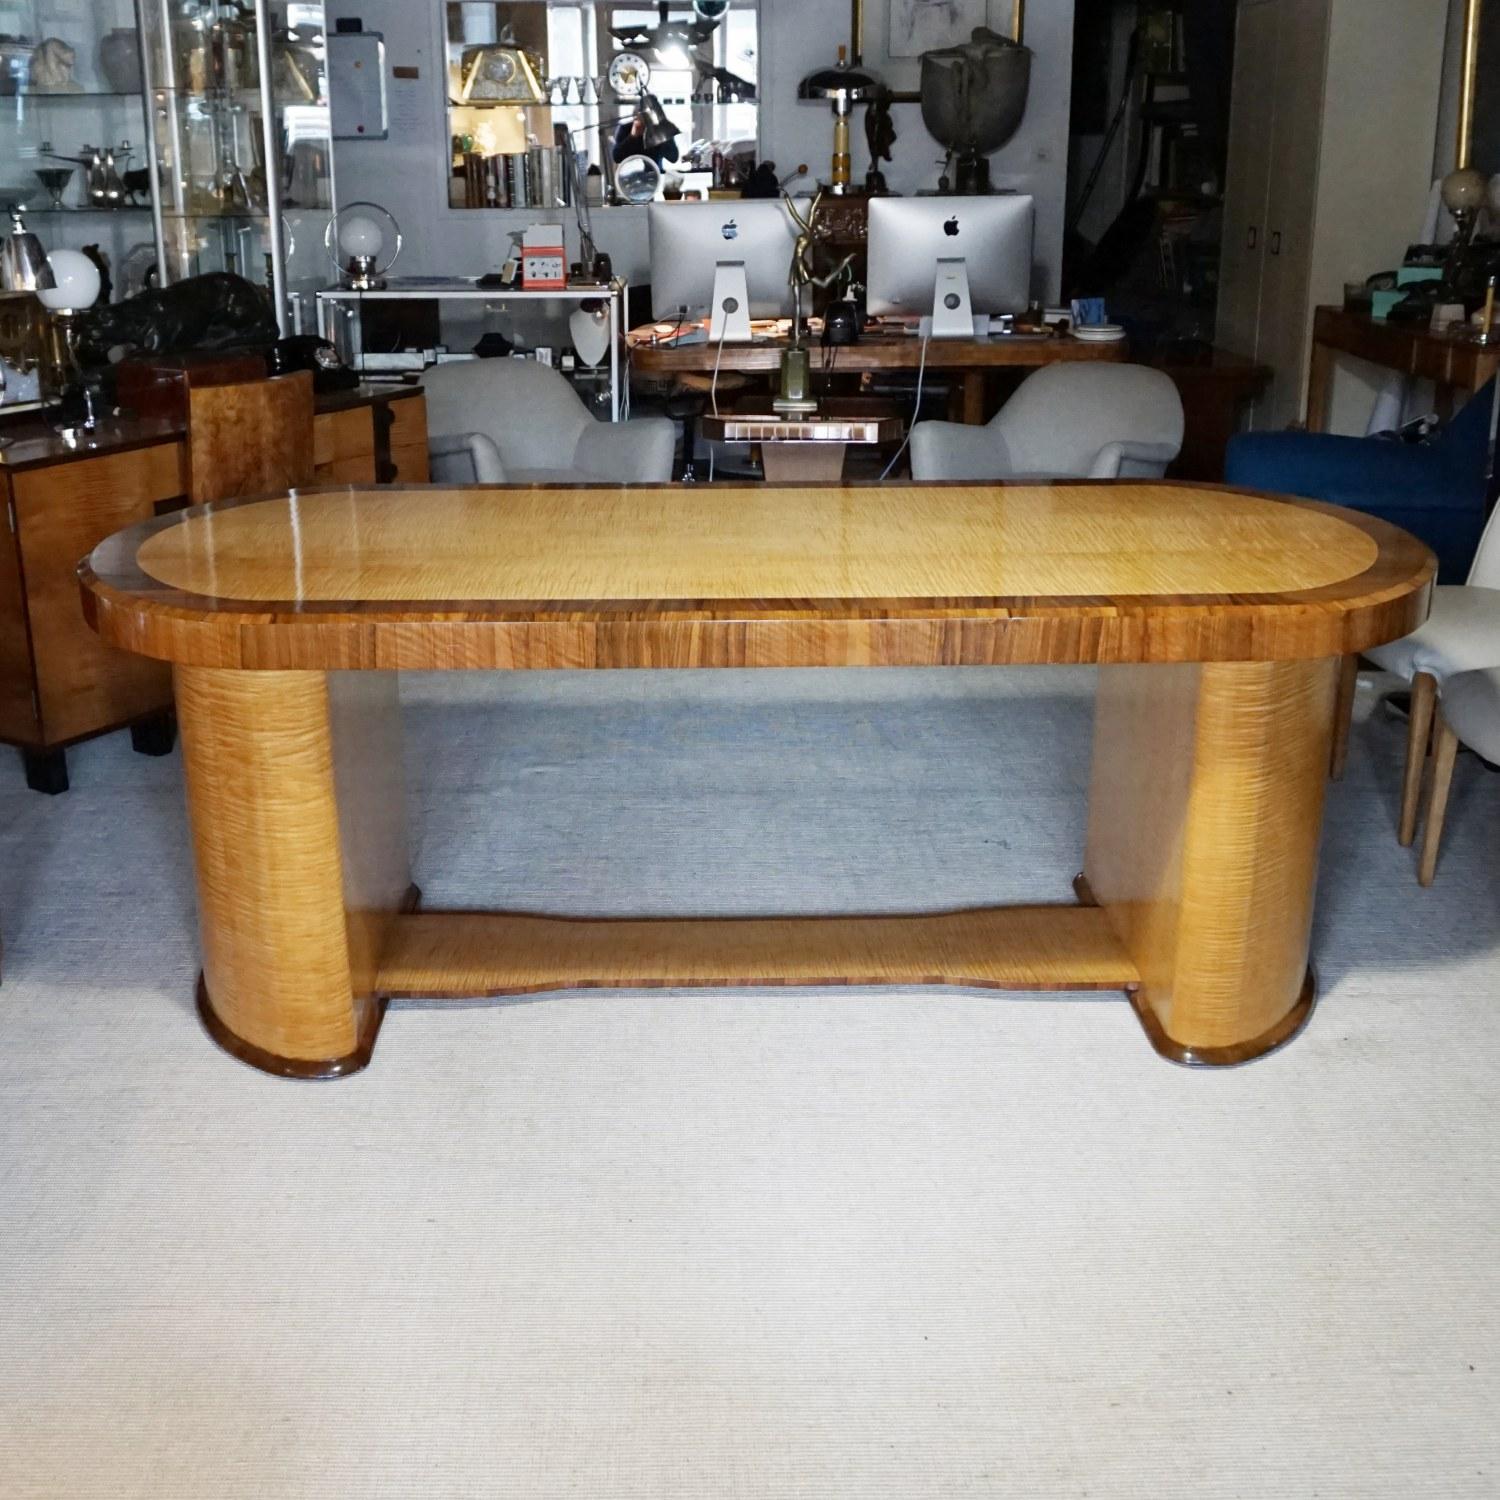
(796, 383)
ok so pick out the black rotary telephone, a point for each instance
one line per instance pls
(306, 351)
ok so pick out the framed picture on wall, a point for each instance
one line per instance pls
(897, 34)
(917, 26)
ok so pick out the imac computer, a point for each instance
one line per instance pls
(731, 259)
(950, 257)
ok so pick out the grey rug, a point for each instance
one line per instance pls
(910, 1244)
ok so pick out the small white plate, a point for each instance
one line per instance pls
(1100, 333)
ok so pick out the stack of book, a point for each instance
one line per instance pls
(534, 178)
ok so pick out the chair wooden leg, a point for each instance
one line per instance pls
(1437, 803)
(1418, 736)
(1343, 716)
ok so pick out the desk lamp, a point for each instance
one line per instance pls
(658, 133)
(844, 85)
(1465, 191)
(357, 239)
(75, 288)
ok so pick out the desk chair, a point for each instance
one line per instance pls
(1461, 635)
(1073, 421)
(1470, 715)
(514, 421)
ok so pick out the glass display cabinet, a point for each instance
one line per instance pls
(535, 84)
(239, 142)
(73, 131)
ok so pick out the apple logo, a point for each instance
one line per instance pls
(730, 231)
(950, 228)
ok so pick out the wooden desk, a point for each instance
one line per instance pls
(1451, 362)
(58, 682)
(969, 359)
(1220, 618)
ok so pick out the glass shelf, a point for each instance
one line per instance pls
(46, 210)
(55, 96)
(211, 215)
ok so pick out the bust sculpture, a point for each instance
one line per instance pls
(51, 69)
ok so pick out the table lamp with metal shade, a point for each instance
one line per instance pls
(843, 86)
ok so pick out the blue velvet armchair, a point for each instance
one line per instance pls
(1435, 491)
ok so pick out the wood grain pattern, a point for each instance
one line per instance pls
(357, 470)
(344, 447)
(1204, 820)
(1418, 737)
(83, 683)
(250, 438)
(411, 463)
(471, 954)
(407, 439)
(37, 445)
(1209, 767)
(758, 576)
(1444, 755)
(286, 970)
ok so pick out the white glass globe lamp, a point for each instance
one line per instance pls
(363, 241)
(75, 282)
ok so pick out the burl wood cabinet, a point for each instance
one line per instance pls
(58, 682)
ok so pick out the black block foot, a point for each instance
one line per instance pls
(46, 770)
(156, 735)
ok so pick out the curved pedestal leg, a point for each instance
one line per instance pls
(1205, 816)
(293, 904)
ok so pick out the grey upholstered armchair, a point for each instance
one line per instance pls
(1080, 421)
(513, 421)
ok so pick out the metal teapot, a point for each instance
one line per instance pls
(23, 262)
(101, 166)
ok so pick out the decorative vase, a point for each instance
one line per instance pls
(120, 60)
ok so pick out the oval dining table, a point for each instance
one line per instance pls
(1217, 618)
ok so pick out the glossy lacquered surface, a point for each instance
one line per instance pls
(1220, 618)
(763, 575)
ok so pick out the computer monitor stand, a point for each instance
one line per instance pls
(730, 321)
(952, 314)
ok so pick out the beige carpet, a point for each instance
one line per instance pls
(919, 1245)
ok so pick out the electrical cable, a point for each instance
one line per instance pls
(713, 389)
(915, 412)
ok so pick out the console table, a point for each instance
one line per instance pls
(1219, 618)
(1452, 362)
